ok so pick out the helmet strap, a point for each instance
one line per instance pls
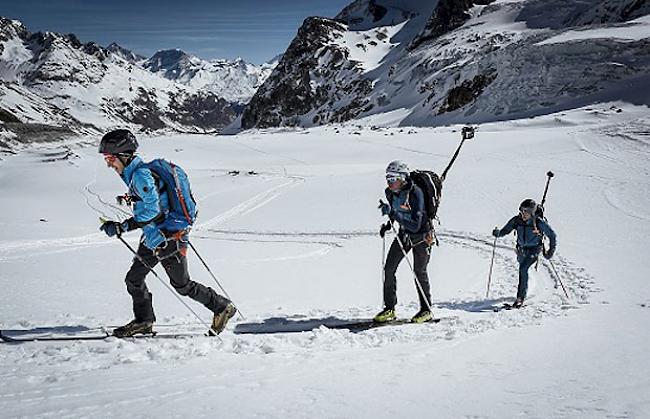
(126, 159)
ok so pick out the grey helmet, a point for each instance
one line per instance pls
(529, 206)
(397, 169)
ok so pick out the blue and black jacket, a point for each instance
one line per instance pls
(407, 208)
(150, 208)
(530, 233)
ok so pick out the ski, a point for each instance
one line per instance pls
(362, 325)
(282, 325)
(156, 336)
(4, 337)
(35, 338)
(506, 306)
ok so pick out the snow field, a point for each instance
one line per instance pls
(296, 243)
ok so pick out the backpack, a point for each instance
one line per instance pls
(431, 186)
(174, 182)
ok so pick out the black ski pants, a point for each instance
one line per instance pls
(173, 257)
(421, 257)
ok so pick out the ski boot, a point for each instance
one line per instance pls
(221, 318)
(385, 316)
(133, 328)
(422, 316)
(518, 303)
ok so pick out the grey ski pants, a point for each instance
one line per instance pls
(526, 259)
(173, 258)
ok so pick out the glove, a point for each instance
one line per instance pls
(549, 253)
(496, 232)
(383, 229)
(114, 228)
(385, 208)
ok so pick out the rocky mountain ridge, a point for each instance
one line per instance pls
(446, 61)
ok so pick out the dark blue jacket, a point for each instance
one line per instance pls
(407, 208)
(527, 238)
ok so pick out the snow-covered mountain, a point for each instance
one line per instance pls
(126, 54)
(56, 81)
(443, 61)
(235, 81)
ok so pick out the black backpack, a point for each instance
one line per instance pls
(431, 186)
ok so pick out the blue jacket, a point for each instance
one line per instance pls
(407, 208)
(527, 238)
(149, 207)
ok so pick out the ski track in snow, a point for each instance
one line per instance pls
(612, 198)
(12, 250)
(250, 205)
(462, 318)
(51, 363)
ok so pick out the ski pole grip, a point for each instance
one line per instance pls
(550, 174)
(467, 133)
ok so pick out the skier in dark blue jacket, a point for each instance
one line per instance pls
(530, 230)
(165, 238)
(406, 206)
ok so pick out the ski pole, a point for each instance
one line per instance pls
(494, 250)
(215, 278)
(467, 134)
(383, 259)
(415, 277)
(137, 256)
(558, 278)
(549, 175)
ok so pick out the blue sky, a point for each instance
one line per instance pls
(255, 30)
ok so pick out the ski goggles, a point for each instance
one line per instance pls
(526, 211)
(110, 157)
(392, 177)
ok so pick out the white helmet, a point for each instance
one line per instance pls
(397, 169)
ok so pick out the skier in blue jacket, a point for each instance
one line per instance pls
(406, 207)
(530, 230)
(165, 238)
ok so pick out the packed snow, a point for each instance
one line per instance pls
(293, 239)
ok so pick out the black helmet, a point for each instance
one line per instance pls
(528, 205)
(119, 141)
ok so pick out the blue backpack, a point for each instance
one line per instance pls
(174, 182)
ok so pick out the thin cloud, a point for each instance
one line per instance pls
(188, 31)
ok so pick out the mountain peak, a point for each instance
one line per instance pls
(170, 54)
(124, 53)
(170, 63)
(10, 28)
